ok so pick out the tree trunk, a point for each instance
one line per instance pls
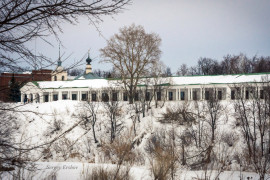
(94, 133)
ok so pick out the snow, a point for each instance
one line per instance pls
(92, 83)
(35, 120)
(77, 170)
(181, 80)
(226, 79)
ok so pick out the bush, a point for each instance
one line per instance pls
(229, 138)
(163, 156)
(101, 173)
(179, 115)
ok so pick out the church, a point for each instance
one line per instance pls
(176, 88)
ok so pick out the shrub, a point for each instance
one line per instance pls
(101, 173)
(179, 115)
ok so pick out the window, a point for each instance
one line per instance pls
(194, 94)
(247, 94)
(219, 95)
(182, 95)
(94, 97)
(136, 98)
(261, 94)
(46, 98)
(84, 98)
(63, 78)
(147, 96)
(233, 94)
(55, 97)
(105, 97)
(64, 96)
(207, 95)
(159, 96)
(114, 96)
(74, 96)
(55, 78)
(170, 96)
(125, 97)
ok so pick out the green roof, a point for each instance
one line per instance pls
(88, 76)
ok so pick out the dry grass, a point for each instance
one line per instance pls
(101, 173)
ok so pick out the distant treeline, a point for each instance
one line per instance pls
(230, 64)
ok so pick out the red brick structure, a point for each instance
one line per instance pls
(21, 78)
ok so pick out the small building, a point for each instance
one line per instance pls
(21, 78)
(59, 74)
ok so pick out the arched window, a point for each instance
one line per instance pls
(63, 78)
(55, 78)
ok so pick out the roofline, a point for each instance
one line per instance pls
(197, 75)
(248, 74)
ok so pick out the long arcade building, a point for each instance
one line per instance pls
(183, 88)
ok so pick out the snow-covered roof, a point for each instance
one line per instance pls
(218, 79)
(180, 80)
(92, 83)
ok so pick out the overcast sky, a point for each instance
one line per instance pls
(189, 29)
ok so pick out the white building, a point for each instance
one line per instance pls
(185, 88)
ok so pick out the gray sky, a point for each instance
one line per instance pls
(189, 29)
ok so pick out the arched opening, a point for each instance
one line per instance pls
(25, 99)
(55, 78)
(31, 97)
(63, 78)
(37, 98)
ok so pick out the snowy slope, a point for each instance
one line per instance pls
(77, 148)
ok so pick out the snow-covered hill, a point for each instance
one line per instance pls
(59, 129)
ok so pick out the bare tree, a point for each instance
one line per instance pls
(131, 52)
(75, 72)
(252, 110)
(163, 154)
(113, 110)
(88, 115)
(22, 21)
(183, 70)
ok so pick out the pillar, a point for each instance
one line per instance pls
(22, 97)
(69, 95)
(50, 96)
(60, 95)
(34, 97)
(41, 98)
(79, 96)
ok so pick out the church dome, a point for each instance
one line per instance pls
(88, 60)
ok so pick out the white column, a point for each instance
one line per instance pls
(79, 96)
(34, 97)
(60, 95)
(28, 98)
(41, 97)
(88, 96)
(69, 95)
(50, 97)
(22, 97)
